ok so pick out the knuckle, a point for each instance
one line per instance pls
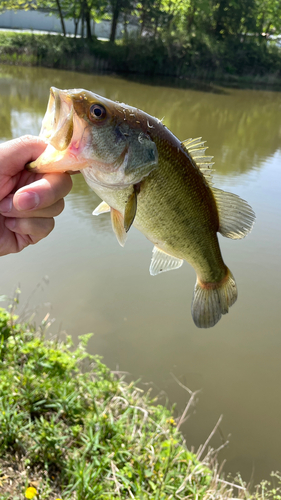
(45, 226)
(65, 184)
(59, 207)
(51, 225)
(38, 227)
(25, 139)
(69, 182)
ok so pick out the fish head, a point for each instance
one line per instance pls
(97, 136)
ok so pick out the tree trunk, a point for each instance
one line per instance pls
(76, 23)
(126, 22)
(82, 21)
(116, 12)
(61, 18)
(155, 28)
(190, 19)
(88, 19)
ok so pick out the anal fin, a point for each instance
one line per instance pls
(102, 208)
(162, 262)
(117, 221)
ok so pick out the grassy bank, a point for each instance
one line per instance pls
(72, 429)
(228, 61)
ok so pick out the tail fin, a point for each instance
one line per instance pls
(211, 300)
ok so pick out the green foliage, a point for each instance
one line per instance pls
(218, 19)
(5, 328)
(171, 54)
(75, 430)
(62, 412)
(175, 37)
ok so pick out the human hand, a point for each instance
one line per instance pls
(28, 201)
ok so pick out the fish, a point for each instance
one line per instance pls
(148, 178)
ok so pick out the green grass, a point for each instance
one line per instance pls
(82, 432)
(72, 429)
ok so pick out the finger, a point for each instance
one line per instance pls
(34, 229)
(43, 192)
(38, 195)
(51, 211)
(18, 152)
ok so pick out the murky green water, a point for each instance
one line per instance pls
(142, 324)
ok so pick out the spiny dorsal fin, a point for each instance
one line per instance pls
(161, 262)
(196, 149)
(102, 208)
(236, 217)
(117, 220)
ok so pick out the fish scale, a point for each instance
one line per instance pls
(167, 212)
(147, 177)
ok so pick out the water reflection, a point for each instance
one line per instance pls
(83, 201)
(234, 123)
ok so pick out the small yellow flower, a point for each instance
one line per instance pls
(171, 421)
(30, 492)
(104, 415)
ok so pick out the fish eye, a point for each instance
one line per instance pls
(97, 111)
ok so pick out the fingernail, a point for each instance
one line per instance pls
(27, 200)
(10, 223)
(6, 204)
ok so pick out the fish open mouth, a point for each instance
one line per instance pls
(58, 131)
(57, 125)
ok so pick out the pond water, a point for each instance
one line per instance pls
(142, 324)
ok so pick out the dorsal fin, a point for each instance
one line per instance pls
(161, 262)
(235, 215)
(196, 149)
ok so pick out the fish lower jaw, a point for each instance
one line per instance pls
(53, 160)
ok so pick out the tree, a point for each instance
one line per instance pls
(268, 18)
(61, 17)
(233, 17)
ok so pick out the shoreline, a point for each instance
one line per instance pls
(102, 57)
(70, 426)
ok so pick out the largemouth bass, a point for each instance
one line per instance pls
(149, 178)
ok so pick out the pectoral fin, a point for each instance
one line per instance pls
(117, 220)
(162, 262)
(102, 208)
(131, 208)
